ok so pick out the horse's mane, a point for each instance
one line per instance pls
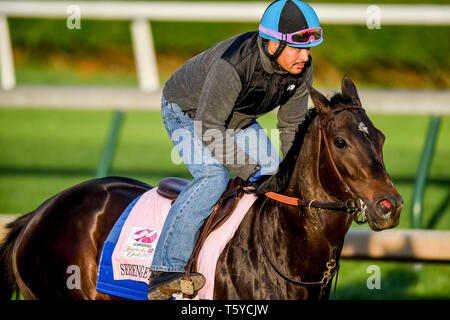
(279, 181)
(339, 99)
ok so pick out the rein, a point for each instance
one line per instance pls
(354, 206)
(332, 265)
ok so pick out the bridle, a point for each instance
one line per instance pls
(353, 206)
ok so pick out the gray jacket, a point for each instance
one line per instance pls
(207, 86)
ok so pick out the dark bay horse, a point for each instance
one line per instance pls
(287, 246)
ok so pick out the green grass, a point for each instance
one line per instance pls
(46, 151)
(37, 73)
(398, 280)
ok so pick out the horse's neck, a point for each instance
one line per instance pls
(304, 181)
(298, 237)
(305, 184)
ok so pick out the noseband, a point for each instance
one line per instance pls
(354, 206)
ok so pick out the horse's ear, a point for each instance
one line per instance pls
(321, 102)
(348, 89)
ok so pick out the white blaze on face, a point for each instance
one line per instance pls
(362, 127)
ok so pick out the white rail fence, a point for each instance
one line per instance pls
(425, 102)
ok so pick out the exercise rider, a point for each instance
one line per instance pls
(209, 108)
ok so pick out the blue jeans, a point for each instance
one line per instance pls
(210, 178)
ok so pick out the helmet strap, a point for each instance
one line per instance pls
(279, 51)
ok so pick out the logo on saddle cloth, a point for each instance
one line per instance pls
(141, 243)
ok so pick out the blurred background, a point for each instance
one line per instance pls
(401, 56)
(46, 149)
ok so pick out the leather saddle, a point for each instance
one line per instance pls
(171, 187)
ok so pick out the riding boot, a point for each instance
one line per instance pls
(164, 284)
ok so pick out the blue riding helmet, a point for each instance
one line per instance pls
(284, 20)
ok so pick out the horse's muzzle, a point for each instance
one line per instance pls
(385, 213)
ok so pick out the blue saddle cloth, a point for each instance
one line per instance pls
(129, 289)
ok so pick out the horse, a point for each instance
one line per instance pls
(287, 246)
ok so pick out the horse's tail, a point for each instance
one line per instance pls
(8, 284)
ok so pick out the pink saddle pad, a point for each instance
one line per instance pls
(133, 253)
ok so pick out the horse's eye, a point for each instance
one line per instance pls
(340, 143)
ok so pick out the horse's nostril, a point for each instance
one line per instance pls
(384, 207)
(386, 203)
